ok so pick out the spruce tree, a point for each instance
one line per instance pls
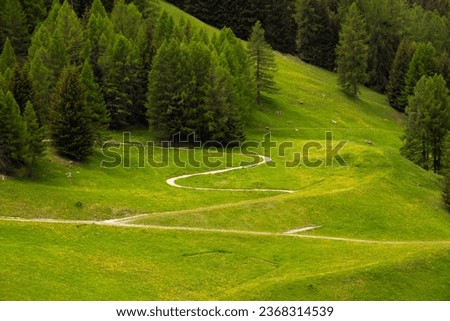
(222, 116)
(21, 87)
(164, 29)
(236, 60)
(35, 137)
(428, 123)
(397, 81)
(443, 67)
(68, 29)
(120, 66)
(71, 126)
(99, 31)
(41, 78)
(96, 102)
(8, 57)
(165, 89)
(263, 61)
(446, 187)
(35, 12)
(315, 36)
(422, 64)
(352, 51)
(13, 140)
(13, 25)
(126, 19)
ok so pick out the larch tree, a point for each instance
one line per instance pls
(8, 57)
(315, 35)
(21, 87)
(397, 81)
(352, 52)
(96, 102)
(120, 66)
(263, 61)
(41, 79)
(35, 137)
(428, 123)
(422, 64)
(13, 137)
(71, 125)
(13, 25)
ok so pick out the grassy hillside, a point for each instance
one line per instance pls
(378, 196)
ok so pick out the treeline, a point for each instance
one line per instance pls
(277, 18)
(311, 28)
(74, 78)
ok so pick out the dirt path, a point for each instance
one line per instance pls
(219, 231)
(264, 160)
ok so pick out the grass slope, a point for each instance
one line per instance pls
(378, 196)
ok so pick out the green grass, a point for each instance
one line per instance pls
(379, 196)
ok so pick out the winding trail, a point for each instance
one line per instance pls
(127, 222)
(116, 223)
(264, 160)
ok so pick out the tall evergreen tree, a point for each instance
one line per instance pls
(428, 123)
(263, 60)
(126, 19)
(164, 29)
(95, 102)
(69, 30)
(397, 80)
(35, 12)
(41, 79)
(21, 87)
(316, 42)
(13, 147)
(13, 25)
(120, 66)
(239, 65)
(443, 67)
(446, 187)
(8, 57)
(352, 51)
(98, 32)
(422, 64)
(71, 118)
(165, 89)
(35, 137)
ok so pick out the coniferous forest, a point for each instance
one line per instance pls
(225, 150)
(71, 70)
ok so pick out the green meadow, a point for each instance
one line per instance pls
(391, 228)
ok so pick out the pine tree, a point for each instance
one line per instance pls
(315, 41)
(263, 60)
(71, 119)
(446, 187)
(96, 102)
(35, 12)
(98, 32)
(352, 51)
(422, 64)
(126, 19)
(8, 57)
(35, 137)
(237, 60)
(165, 89)
(222, 117)
(149, 9)
(41, 78)
(21, 87)
(397, 81)
(164, 29)
(120, 66)
(13, 25)
(68, 29)
(428, 123)
(443, 67)
(13, 144)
